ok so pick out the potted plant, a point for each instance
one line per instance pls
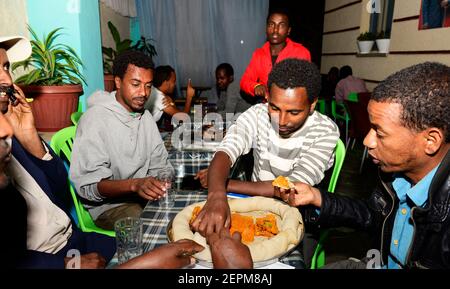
(365, 42)
(383, 41)
(121, 45)
(54, 81)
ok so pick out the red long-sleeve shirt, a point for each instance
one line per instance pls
(260, 65)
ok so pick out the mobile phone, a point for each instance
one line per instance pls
(9, 91)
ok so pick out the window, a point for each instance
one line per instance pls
(381, 19)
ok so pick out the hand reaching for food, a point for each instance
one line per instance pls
(228, 252)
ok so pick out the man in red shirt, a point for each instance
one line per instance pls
(277, 48)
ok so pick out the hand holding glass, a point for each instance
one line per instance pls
(167, 178)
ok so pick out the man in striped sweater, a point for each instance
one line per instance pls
(288, 138)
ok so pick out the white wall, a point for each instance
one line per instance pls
(13, 21)
(405, 37)
(13, 18)
(122, 23)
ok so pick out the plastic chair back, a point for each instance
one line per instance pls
(321, 106)
(61, 144)
(339, 111)
(75, 117)
(352, 96)
(318, 259)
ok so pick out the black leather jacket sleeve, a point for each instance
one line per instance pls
(344, 211)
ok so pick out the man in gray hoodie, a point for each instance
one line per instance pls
(118, 150)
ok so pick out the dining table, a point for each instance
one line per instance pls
(156, 220)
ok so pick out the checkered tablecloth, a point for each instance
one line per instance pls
(188, 161)
(156, 220)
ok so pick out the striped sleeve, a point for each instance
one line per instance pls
(239, 138)
(319, 157)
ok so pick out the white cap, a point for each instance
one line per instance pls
(17, 48)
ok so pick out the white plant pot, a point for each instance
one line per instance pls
(365, 46)
(383, 45)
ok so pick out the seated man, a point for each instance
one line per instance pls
(118, 150)
(42, 230)
(228, 92)
(348, 84)
(410, 141)
(288, 138)
(160, 100)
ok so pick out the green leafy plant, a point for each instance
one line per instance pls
(366, 36)
(122, 45)
(145, 46)
(51, 63)
(383, 35)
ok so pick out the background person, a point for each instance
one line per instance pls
(277, 48)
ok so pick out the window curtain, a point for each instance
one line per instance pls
(125, 8)
(194, 36)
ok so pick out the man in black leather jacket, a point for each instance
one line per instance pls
(409, 140)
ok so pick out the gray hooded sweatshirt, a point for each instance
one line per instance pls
(114, 144)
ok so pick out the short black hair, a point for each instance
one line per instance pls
(229, 71)
(333, 70)
(423, 92)
(162, 73)
(137, 58)
(293, 72)
(345, 71)
(282, 11)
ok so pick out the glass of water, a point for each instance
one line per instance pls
(128, 238)
(167, 178)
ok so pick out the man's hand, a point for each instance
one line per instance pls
(444, 3)
(261, 90)
(167, 101)
(229, 252)
(214, 217)
(148, 188)
(190, 91)
(170, 256)
(281, 193)
(303, 195)
(20, 115)
(89, 261)
(202, 175)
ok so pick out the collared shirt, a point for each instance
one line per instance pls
(348, 85)
(403, 230)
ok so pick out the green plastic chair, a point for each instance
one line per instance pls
(318, 259)
(75, 117)
(61, 143)
(342, 114)
(321, 106)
